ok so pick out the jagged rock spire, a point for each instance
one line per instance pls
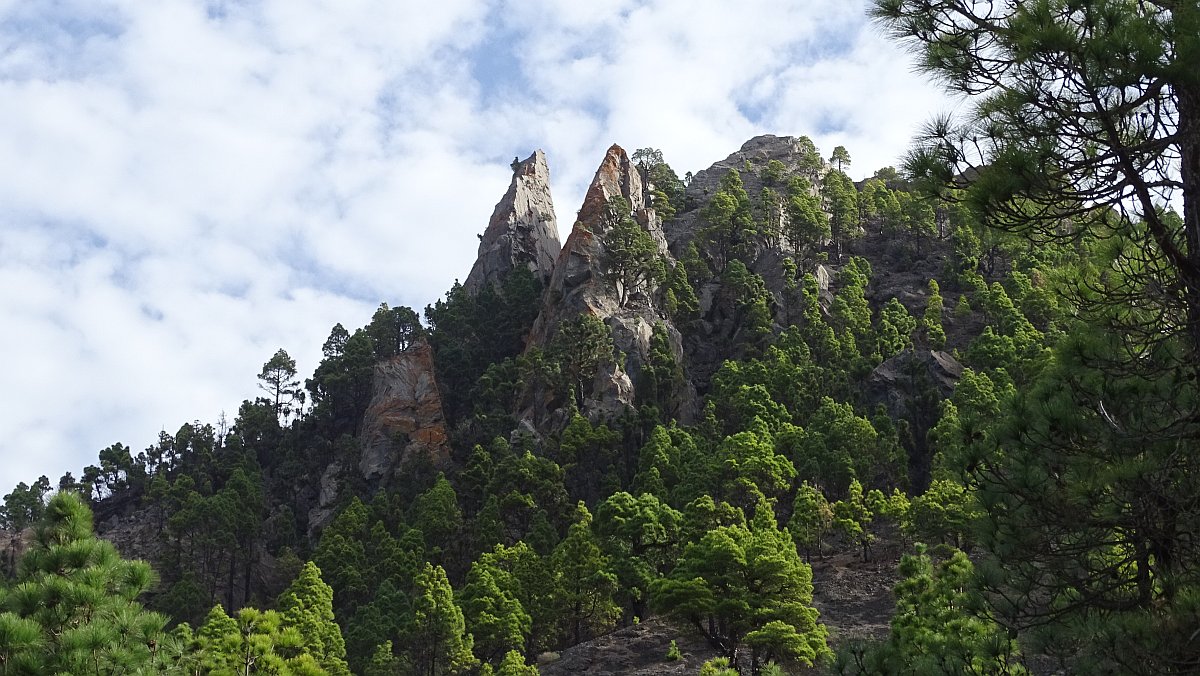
(523, 230)
(578, 287)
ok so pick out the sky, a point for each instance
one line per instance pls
(190, 185)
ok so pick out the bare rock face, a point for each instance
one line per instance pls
(404, 420)
(578, 287)
(330, 488)
(577, 284)
(756, 153)
(523, 231)
(893, 378)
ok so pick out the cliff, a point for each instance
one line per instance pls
(523, 230)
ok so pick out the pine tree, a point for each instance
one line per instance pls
(841, 202)
(812, 517)
(279, 381)
(437, 515)
(438, 640)
(729, 223)
(584, 582)
(494, 616)
(641, 537)
(740, 583)
(513, 664)
(256, 642)
(939, 626)
(74, 608)
(853, 518)
(631, 259)
(896, 327)
(307, 605)
(931, 320)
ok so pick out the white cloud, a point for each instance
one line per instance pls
(191, 185)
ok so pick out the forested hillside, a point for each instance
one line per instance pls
(985, 359)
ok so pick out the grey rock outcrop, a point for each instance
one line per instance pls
(523, 231)
(578, 287)
(404, 419)
(903, 371)
(756, 152)
(327, 498)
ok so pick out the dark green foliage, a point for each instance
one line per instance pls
(584, 582)
(531, 497)
(729, 222)
(1091, 548)
(437, 515)
(667, 188)
(630, 260)
(752, 322)
(841, 203)
(939, 626)
(942, 514)
(812, 518)
(580, 347)
(641, 537)
(22, 508)
(742, 583)
(394, 330)
(662, 378)
(1086, 488)
(680, 301)
(840, 158)
(851, 313)
(469, 334)
(895, 330)
(307, 605)
(750, 470)
(852, 518)
(340, 388)
(279, 381)
(807, 224)
(437, 642)
(774, 172)
(931, 320)
(590, 459)
(494, 615)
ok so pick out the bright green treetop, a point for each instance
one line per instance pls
(74, 608)
(747, 583)
(438, 639)
(307, 605)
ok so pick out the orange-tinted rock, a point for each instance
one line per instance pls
(404, 419)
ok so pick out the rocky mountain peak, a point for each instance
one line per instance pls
(616, 176)
(578, 262)
(795, 152)
(523, 230)
(578, 287)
